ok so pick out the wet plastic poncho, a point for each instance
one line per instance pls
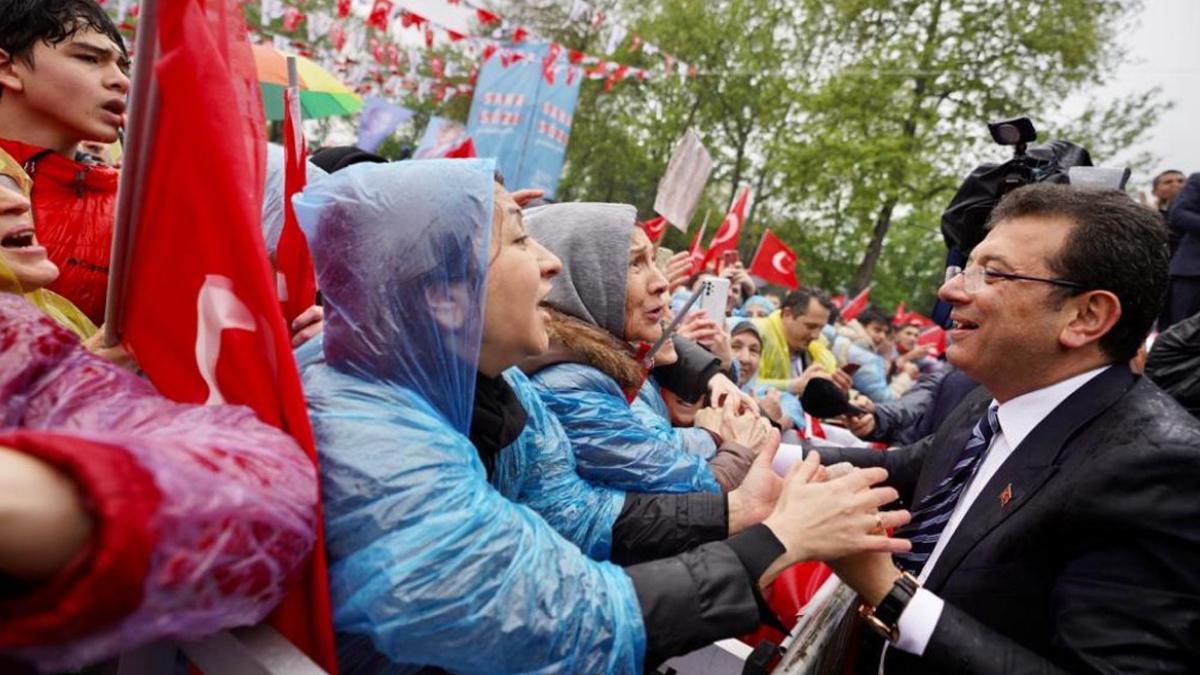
(650, 409)
(612, 447)
(204, 515)
(538, 470)
(429, 564)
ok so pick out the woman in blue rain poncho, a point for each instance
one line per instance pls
(431, 564)
(611, 295)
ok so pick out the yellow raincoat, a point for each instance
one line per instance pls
(775, 369)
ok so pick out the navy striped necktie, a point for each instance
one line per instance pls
(933, 512)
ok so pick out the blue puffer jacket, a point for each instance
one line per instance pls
(429, 563)
(538, 471)
(612, 447)
(650, 409)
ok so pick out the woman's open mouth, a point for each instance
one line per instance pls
(18, 238)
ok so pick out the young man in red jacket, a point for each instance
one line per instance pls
(63, 81)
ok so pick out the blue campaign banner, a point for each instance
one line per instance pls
(521, 114)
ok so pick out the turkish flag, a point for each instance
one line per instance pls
(654, 228)
(774, 262)
(856, 305)
(933, 336)
(201, 315)
(297, 285)
(727, 235)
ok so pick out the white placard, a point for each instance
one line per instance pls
(681, 186)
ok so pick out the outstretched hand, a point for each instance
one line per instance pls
(755, 498)
(833, 519)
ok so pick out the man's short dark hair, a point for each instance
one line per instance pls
(798, 300)
(1116, 245)
(24, 23)
(1163, 174)
(874, 315)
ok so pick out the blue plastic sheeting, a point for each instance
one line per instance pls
(429, 564)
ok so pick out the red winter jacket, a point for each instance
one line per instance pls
(74, 208)
(204, 515)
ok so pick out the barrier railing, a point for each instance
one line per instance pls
(256, 650)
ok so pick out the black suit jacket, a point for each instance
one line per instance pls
(1184, 220)
(1081, 554)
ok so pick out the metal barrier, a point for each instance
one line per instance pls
(257, 650)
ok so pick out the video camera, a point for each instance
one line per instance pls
(964, 221)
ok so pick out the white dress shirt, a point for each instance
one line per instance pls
(1018, 417)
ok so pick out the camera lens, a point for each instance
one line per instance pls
(1008, 134)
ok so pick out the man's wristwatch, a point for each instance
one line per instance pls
(885, 618)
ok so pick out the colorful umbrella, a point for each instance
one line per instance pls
(321, 94)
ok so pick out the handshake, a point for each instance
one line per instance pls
(831, 514)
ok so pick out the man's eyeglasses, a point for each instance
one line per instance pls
(974, 278)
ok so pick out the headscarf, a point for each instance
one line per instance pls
(396, 247)
(57, 307)
(592, 240)
(760, 301)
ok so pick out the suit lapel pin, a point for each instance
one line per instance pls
(1006, 495)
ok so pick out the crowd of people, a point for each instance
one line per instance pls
(522, 467)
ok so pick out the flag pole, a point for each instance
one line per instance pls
(143, 111)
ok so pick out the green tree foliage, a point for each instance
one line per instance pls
(853, 121)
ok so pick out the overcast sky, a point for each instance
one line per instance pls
(1164, 50)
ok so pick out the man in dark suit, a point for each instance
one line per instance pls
(1183, 299)
(1056, 513)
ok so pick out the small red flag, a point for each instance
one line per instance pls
(380, 11)
(520, 35)
(696, 251)
(343, 8)
(292, 18)
(654, 228)
(934, 336)
(548, 62)
(201, 313)
(730, 231)
(464, 150)
(856, 305)
(774, 262)
(486, 17)
(297, 284)
(615, 77)
(409, 19)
